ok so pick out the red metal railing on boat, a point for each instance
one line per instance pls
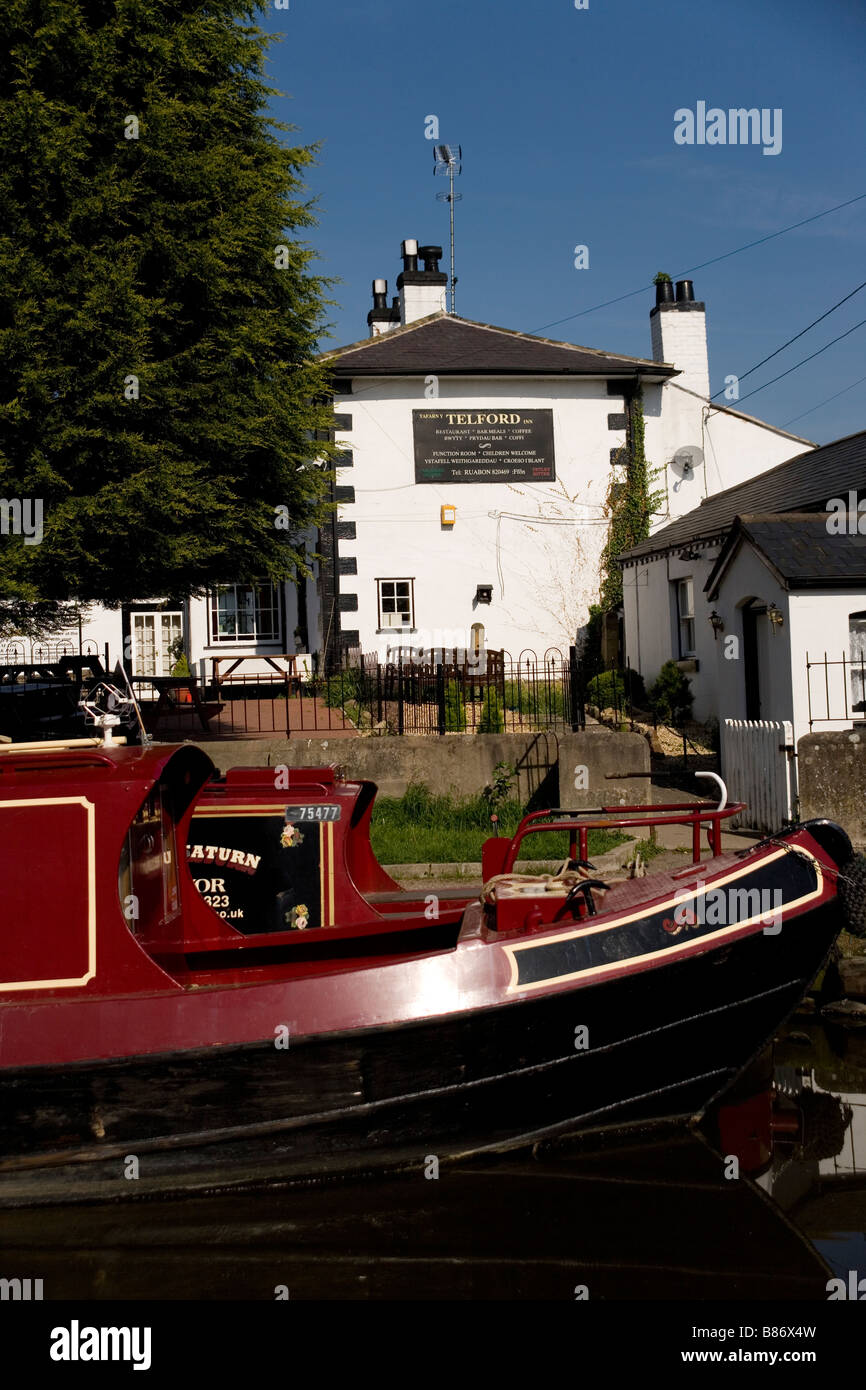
(695, 814)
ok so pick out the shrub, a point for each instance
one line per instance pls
(614, 689)
(492, 719)
(541, 701)
(670, 695)
(455, 710)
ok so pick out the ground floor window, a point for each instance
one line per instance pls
(396, 602)
(686, 613)
(857, 638)
(245, 613)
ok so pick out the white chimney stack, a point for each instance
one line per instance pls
(679, 334)
(422, 292)
(381, 319)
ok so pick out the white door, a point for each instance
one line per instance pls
(152, 638)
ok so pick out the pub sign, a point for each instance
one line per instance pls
(490, 445)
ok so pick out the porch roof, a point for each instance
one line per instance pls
(800, 549)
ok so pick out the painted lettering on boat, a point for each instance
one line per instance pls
(229, 858)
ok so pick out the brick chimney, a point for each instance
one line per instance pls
(679, 334)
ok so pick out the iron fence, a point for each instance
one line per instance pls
(838, 688)
(460, 694)
(24, 651)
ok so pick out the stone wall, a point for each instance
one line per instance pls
(564, 770)
(832, 779)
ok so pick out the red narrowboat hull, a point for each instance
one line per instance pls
(194, 1054)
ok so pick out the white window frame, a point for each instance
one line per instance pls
(686, 616)
(857, 653)
(272, 635)
(403, 605)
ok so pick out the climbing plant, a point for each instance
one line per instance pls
(630, 506)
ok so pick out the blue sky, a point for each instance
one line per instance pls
(566, 118)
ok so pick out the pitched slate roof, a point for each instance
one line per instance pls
(799, 548)
(446, 345)
(805, 483)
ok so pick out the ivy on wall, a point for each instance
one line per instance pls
(630, 505)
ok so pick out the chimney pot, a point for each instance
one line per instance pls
(664, 292)
(685, 292)
(380, 294)
(431, 255)
(409, 252)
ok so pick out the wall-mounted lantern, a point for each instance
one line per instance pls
(717, 623)
(776, 616)
(484, 593)
(447, 515)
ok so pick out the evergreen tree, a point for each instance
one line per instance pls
(158, 313)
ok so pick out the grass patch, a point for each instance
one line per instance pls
(421, 827)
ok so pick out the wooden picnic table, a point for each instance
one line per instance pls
(167, 686)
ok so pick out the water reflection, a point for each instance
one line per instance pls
(654, 1213)
(821, 1180)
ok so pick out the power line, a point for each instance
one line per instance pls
(826, 402)
(802, 363)
(713, 261)
(825, 315)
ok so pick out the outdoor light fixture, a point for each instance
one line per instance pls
(447, 515)
(484, 593)
(776, 616)
(717, 623)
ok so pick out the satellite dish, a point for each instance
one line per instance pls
(687, 461)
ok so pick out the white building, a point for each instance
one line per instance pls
(479, 460)
(473, 490)
(759, 595)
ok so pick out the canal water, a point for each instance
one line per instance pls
(766, 1200)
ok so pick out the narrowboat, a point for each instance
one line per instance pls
(210, 983)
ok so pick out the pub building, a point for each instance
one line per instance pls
(474, 478)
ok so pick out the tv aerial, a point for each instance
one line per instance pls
(448, 161)
(686, 462)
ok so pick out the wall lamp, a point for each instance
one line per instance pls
(776, 616)
(484, 593)
(717, 623)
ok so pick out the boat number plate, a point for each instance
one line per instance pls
(313, 813)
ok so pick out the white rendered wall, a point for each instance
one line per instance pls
(418, 301)
(749, 578)
(813, 623)
(538, 545)
(679, 336)
(819, 625)
(735, 447)
(651, 623)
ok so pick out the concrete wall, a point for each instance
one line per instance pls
(568, 771)
(832, 773)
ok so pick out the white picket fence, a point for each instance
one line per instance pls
(758, 770)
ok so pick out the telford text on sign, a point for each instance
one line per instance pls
(483, 446)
